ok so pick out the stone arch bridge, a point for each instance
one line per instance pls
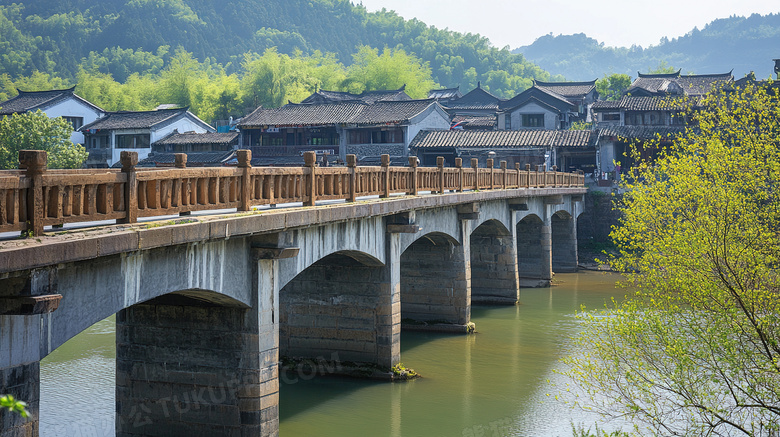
(207, 305)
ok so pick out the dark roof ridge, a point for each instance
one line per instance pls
(542, 83)
(730, 73)
(659, 75)
(71, 89)
(184, 109)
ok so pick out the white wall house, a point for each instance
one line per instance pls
(56, 103)
(107, 137)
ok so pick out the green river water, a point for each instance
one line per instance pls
(493, 383)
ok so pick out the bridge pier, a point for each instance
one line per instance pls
(534, 257)
(190, 363)
(345, 307)
(22, 381)
(494, 277)
(564, 243)
(436, 281)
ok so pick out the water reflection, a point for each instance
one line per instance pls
(493, 383)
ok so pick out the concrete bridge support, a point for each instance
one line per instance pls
(189, 363)
(341, 308)
(22, 381)
(494, 277)
(436, 280)
(564, 242)
(534, 246)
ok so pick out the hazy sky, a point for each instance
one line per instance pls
(613, 22)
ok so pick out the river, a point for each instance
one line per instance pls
(493, 383)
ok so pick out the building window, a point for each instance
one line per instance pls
(76, 122)
(614, 116)
(135, 141)
(376, 136)
(508, 122)
(533, 120)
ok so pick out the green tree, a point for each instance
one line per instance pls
(697, 350)
(662, 68)
(613, 86)
(390, 70)
(36, 131)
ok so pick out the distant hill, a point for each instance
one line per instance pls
(54, 36)
(738, 43)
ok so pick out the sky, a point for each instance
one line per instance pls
(614, 22)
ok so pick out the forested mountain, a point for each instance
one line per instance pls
(738, 43)
(122, 37)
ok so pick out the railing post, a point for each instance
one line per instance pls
(440, 164)
(386, 175)
(34, 163)
(503, 170)
(544, 176)
(129, 160)
(352, 165)
(555, 175)
(528, 175)
(245, 164)
(413, 165)
(310, 161)
(475, 167)
(517, 171)
(459, 166)
(180, 161)
(490, 166)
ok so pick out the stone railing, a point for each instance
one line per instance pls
(34, 197)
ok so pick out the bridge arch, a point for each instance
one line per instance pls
(364, 239)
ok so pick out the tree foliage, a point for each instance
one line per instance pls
(389, 70)
(121, 38)
(697, 350)
(36, 131)
(613, 86)
(14, 406)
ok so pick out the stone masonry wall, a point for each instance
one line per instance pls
(435, 280)
(493, 268)
(529, 248)
(564, 244)
(596, 221)
(23, 383)
(334, 306)
(191, 368)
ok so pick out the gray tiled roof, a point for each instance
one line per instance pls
(690, 85)
(445, 94)
(629, 103)
(324, 97)
(568, 89)
(194, 159)
(503, 139)
(336, 113)
(392, 112)
(540, 95)
(137, 119)
(475, 121)
(32, 100)
(641, 132)
(198, 138)
(302, 115)
(475, 99)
